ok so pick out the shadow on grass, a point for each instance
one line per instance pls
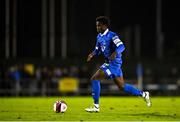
(155, 114)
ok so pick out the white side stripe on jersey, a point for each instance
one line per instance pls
(96, 48)
(108, 72)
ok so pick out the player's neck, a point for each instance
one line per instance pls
(105, 32)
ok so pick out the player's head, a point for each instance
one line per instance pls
(102, 23)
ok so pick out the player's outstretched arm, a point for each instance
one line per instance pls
(90, 56)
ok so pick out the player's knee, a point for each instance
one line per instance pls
(91, 78)
(120, 83)
(95, 78)
(121, 86)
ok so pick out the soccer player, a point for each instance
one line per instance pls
(109, 44)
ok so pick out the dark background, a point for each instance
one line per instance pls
(81, 29)
(26, 18)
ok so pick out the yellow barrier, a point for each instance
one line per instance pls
(68, 84)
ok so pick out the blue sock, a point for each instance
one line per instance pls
(132, 90)
(96, 88)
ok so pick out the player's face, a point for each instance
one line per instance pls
(100, 27)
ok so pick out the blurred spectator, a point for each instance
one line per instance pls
(28, 70)
(65, 72)
(45, 81)
(57, 73)
(38, 73)
(74, 71)
(27, 79)
(16, 76)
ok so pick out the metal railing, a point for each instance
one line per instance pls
(38, 87)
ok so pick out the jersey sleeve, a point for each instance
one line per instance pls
(119, 44)
(97, 51)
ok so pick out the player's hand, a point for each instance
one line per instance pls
(90, 56)
(113, 55)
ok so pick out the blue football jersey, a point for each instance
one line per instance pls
(107, 43)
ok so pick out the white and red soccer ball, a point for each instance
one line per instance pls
(60, 106)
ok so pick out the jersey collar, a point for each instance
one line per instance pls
(105, 32)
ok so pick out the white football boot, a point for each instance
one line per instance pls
(147, 98)
(92, 109)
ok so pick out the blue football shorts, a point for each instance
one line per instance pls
(112, 70)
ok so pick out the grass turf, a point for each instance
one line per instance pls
(112, 109)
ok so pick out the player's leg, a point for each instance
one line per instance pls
(96, 88)
(128, 88)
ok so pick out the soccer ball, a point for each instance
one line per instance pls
(60, 106)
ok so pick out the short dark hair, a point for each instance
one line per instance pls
(103, 19)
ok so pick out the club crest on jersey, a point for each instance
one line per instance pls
(103, 47)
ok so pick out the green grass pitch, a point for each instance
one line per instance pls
(112, 109)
